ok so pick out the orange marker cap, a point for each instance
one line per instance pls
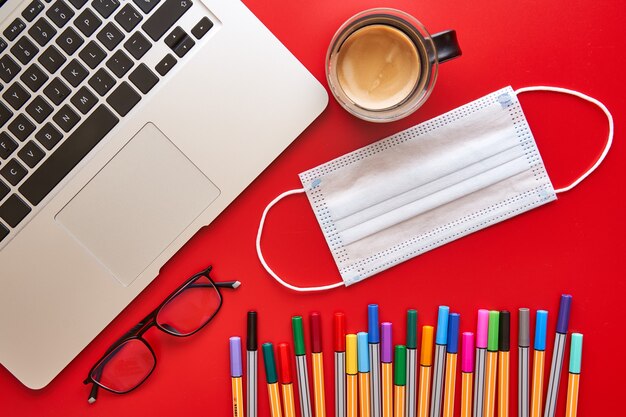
(427, 346)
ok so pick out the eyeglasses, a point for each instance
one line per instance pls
(131, 360)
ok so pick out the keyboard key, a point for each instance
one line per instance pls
(34, 77)
(74, 73)
(48, 136)
(174, 37)
(84, 100)
(32, 10)
(123, 98)
(184, 46)
(14, 29)
(4, 232)
(52, 59)
(24, 50)
(202, 27)
(68, 154)
(3, 44)
(87, 22)
(92, 54)
(78, 3)
(21, 127)
(164, 17)
(13, 172)
(5, 114)
(8, 68)
(31, 154)
(137, 45)
(146, 5)
(14, 210)
(57, 91)
(143, 78)
(42, 31)
(16, 95)
(60, 13)
(101, 81)
(70, 41)
(66, 118)
(4, 191)
(7, 145)
(128, 17)
(110, 36)
(165, 65)
(39, 109)
(105, 7)
(119, 63)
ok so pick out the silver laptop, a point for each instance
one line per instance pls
(125, 126)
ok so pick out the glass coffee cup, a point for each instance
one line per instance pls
(382, 63)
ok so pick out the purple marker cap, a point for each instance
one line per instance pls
(482, 330)
(563, 321)
(235, 357)
(386, 354)
(467, 352)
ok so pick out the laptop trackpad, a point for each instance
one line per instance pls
(138, 204)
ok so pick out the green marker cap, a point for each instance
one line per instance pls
(576, 353)
(298, 335)
(411, 329)
(270, 363)
(400, 365)
(494, 323)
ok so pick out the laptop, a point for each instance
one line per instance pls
(125, 126)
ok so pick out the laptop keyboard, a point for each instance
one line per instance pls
(70, 70)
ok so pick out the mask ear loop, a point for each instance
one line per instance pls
(262, 259)
(602, 107)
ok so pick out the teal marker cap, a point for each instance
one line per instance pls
(363, 352)
(442, 325)
(541, 328)
(494, 323)
(575, 353)
(298, 335)
(411, 329)
(270, 363)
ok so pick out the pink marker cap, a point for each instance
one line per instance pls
(482, 330)
(467, 352)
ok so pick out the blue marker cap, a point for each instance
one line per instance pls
(453, 333)
(363, 352)
(235, 357)
(575, 353)
(372, 324)
(442, 325)
(541, 327)
(563, 320)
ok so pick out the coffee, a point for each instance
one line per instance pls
(378, 66)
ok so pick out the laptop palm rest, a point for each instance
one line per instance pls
(137, 204)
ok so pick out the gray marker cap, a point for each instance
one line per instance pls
(523, 337)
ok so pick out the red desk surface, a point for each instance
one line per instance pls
(573, 245)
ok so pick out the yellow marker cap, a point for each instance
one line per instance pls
(427, 346)
(351, 354)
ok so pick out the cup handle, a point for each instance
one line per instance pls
(447, 45)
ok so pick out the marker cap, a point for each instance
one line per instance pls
(426, 358)
(411, 329)
(298, 335)
(386, 350)
(482, 329)
(316, 332)
(399, 367)
(373, 334)
(523, 335)
(442, 325)
(270, 363)
(576, 352)
(504, 331)
(351, 354)
(235, 357)
(564, 308)
(339, 332)
(541, 327)
(453, 333)
(363, 352)
(467, 354)
(494, 323)
(284, 364)
(251, 336)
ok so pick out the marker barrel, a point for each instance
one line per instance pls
(387, 390)
(438, 376)
(352, 396)
(503, 383)
(424, 391)
(399, 394)
(289, 404)
(251, 382)
(364, 394)
(450, 385)
(411, 383)
(375, 387)
(318, 384)
(491, 370)
(537, 387)
(555, 374)
(274, 397)
(522, 381)
(340, 384)
(479, 381)
(237, 386)
(571, 408)
(303, 386)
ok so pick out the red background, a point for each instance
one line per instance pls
(574, 245)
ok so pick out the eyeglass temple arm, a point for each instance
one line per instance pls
(228, 284)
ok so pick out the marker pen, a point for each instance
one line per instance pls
(523, 346)
(301, 366)
(504, 348)
(386, 358)
(575, 357)
(373, 336)
(236, 376)
(251, 364)
(411, 363)
(351, 375)
(399, 382)
(441, 341)
(426, 362)
(364, 374)
(317, 356)
(272, 379)
(339, 345)
(492, 364)
(482, 330)
(286, 379)
(467, 373)
(451, 357)
(541, 325)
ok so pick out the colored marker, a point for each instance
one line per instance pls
(441, 340)
(523, 345)
(451, 356)
(373, 337)
(492, 364)
(339, 344)
(364, 374)
(272, 379)
(319, 394)
(426, 362)
(399, 381)
(557, 355)
(504, 348)
(575, 357)
(482, 330)
(251, 364)
(411, 363)
(351, 376)
(286, 379)
(236, 376)
(386, 358)
(467, 374)
(301, 366)
(541, 326)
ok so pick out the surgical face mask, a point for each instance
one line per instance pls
(419, 189)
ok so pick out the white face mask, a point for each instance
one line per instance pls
(429, 185)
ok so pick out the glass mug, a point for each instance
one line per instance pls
(382, 63)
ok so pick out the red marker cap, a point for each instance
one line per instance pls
(339, 332)
(284, 364)
(316, 332)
